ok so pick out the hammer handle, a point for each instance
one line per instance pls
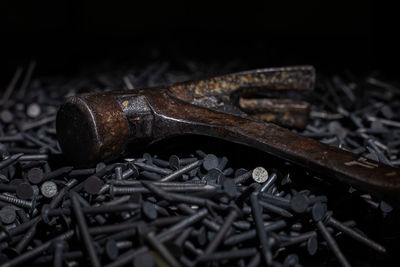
(97, 127)
(179, 117)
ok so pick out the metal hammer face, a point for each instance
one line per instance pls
(96, 127)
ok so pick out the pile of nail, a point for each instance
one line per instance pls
(181, 211)
(184, 209)
(361, 116)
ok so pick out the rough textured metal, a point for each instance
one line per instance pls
(225, 93)
(286, 112)
(99, 126)
(103, 128)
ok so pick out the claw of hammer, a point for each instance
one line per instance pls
(232, 94)
(94, 127)
(285, 112)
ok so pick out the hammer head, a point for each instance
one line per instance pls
(91, 128)
(97, 127)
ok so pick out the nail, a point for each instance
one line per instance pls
(299, 203)
(278, 201)
(132, 171)
(222, 163)
(292, 240)
(350, 232)
(152, 168)
(291, 260)
(93, 185)
(181, 171)
(228, 255)
(210, 162)
(118, 172)
(269, 183)
(25, 191)
(7, 188)
(260, 175)
(7, 215)
(31, 254)
(10, 160)
(209, 223)
(111, 249)
(37, 157)
(82, 172)
(332, 244)
(250, 234)
(178, 197)
(60, 246)
(175, 162)
(275, 209)
(228, 220)
(161, 163)
(243, 177)
(49, 189)
(195, 217)
(144, 259)
(84, 230)
(35, 175)
(261, 233)
(255, 261)
(18, 202)
(161, 249)
(57, 173)
(149, 210)
(166, 221)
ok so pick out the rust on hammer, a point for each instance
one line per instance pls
(94, 127)
(285, 112)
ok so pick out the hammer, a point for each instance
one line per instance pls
(99, 126)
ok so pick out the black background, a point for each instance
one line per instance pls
(63, 36)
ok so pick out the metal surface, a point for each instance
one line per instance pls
(95, 127)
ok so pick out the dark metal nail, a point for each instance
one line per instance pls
(60, 246)
(36, 251)
(218, 239)
(149, 210)
(332, 244)
(93, 185)
(152, 168)
(18, 202)
(299, 203)
(84, 230)
(228, 255)
(7, 215)
(250, 234)
(275, 209)
(181, 171)
(25, 191)
(160, 248)
(195, 217)
(261, 233)
(10, 160)
(118, 172)
(144, 259)
(243, 177)
(35, 175)
(350, 232)
(210, 162)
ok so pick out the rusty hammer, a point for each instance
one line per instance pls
(99, 126)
